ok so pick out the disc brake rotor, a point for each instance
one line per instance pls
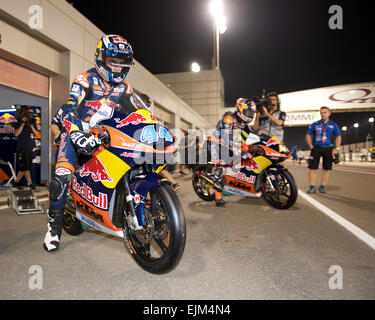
(145, 235)
(282, 185)
(161, 223)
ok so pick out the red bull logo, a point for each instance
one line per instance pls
(7, 118)
(240, 175)
(272, 141)
(96, 169)
(134, 118)
(96, 104)
(67, 124)
(241, 106)
(251, 165)
(86, 192)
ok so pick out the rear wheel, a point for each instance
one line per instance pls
(279, 190)
(202, 187)
(159, 245)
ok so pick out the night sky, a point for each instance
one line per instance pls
(281, 45)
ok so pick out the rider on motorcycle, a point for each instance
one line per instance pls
(104, 84)
(244, 113)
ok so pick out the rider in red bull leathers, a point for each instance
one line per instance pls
(223, 147)
(103, 84)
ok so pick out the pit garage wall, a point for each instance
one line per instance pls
(65, 45)
(11, 96)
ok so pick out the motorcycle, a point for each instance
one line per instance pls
(261, 173)
(119, 191)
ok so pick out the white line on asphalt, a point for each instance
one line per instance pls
(356, 170)
(359, 233)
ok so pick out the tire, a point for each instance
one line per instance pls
(201, 186)
(287, 192)
(158, 249)
(71, 224)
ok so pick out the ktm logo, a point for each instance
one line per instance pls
(87, 210)
(239, 185)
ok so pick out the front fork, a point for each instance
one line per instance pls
(272, 183)
(131, 218)
(269, 180)
(137, 191)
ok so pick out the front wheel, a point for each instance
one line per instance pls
(159, 245)
(280, 189)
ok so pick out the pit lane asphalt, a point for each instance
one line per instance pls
(247, 250)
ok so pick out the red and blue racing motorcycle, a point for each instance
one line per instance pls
(119, 191)
(261, 173)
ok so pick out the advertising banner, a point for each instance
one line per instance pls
(301, 118)
(359, 96)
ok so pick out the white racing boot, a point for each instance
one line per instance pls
(52, 238)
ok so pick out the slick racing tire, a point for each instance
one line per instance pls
(202, 188)
(159, 246)
(71, 224)
(286, 191)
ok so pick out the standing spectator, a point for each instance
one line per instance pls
(183, 150)
(322, 146)
(364, 153)
(25, 132)
(271, 120)
(294, 155)
(372, 150)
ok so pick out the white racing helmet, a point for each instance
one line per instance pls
(245, 109)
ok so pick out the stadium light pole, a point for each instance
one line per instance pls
(216, 9)
(344, 129)
(195, 67)
(356, 125)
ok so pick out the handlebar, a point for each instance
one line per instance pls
(102, 133)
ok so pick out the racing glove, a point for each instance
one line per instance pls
(85, 143)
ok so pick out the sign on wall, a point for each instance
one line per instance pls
(346, 97)
(301, 118)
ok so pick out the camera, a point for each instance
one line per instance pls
(262, 102)
(336, 159)
(23, 112)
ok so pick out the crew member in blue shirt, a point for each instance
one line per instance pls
(320, 141)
